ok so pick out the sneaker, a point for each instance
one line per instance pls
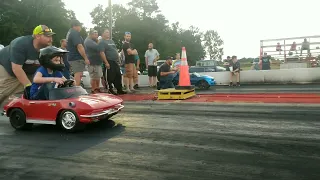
(136, 86)
(112, 92)
(238, 83)
(128, 91)
(231, 84)
(121, 92)
(95, 91)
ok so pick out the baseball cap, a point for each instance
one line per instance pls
(43, 29)
(92, 31)
(169, 58)
(75, 22)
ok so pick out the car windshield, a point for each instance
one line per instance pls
(66, 93)
(196, 74)
(159, 63)
(205, 63)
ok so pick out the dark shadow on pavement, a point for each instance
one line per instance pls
(67, 144)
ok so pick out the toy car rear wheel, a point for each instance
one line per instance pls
(69, 121)
(18, 120)
(203, 85)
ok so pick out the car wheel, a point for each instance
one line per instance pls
(18, 120)
(69, 121)
(203, 85)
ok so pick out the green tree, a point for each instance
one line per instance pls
(213, 45)
(19, 17)
(145, 8)
(146, 23)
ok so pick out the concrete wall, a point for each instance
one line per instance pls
(281, 76)
(293, 65)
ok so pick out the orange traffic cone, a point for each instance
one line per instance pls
(184, 77)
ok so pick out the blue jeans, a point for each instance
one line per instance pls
(43, 92)
(166, 81)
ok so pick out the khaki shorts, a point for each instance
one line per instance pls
(77, 66)
(9, 85)
(95, 71)
(130, 70)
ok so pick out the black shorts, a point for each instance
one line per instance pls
(152, 71)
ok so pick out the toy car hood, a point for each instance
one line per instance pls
(98, 101)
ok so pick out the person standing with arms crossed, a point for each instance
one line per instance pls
(20, 60)
(129, 53)
(152, 56)
(95, 69)
(77, 55)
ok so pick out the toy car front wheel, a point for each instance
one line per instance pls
(18, 120)
(69, 121)
(203, 84)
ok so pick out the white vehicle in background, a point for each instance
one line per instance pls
(159, 63)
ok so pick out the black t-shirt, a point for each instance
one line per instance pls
(235, 65)
(163, 68)
(266, 63)
(73, 40)
(128, 58)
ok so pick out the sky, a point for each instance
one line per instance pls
(240, 23)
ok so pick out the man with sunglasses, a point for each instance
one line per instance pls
(129, 52)
(19, 61)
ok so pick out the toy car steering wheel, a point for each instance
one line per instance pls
(67, 83)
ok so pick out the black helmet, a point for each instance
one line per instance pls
(46, 54)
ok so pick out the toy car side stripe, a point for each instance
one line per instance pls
(33, 121)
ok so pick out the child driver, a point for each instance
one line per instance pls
(48, 74)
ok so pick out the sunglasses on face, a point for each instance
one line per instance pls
(46, 30)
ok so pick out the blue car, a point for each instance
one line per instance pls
(200, 81)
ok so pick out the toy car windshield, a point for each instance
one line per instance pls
(66, 93)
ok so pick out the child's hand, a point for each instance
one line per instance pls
(59, 80)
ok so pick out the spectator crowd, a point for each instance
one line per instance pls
(29, 63)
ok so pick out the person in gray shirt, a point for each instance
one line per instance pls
(109, 54)
(95, 69)
(19, 61)
(151, 57)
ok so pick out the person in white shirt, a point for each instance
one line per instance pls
(151, 57)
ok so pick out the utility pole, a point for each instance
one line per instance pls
(110, 19)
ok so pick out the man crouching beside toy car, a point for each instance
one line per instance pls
(49, 74)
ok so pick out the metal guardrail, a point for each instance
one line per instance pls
(292, 38)
(298, 44)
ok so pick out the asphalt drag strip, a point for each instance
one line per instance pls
(172, 141)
